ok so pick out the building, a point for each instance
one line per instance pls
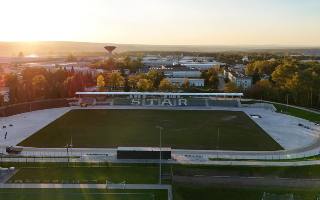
(200, 63)
(143, 153)
(158, 61)
(245, 59)
(178, 72)
(195, 82)
(238, 78)
(182, 74)
(4, 92)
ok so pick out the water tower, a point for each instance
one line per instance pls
(110, 50)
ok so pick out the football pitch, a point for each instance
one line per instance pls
(183, 129)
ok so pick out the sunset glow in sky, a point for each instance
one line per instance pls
(206, 22)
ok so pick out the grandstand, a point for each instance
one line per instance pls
(160, 99)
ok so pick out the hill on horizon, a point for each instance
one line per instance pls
(62, 48)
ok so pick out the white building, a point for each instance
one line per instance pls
(239, 79)
(192, 81)
(245, 59)
(200, 63)
(156, 61)
(4, 91)
(178, 72)
(181, 72)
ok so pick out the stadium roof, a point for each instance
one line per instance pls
(161, 94)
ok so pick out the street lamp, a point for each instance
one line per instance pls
(160, 133)
(69, 148)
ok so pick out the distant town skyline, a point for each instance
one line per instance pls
(163, 22)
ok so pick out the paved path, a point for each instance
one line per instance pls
(53, 186)
(143, 187)
(6, 175)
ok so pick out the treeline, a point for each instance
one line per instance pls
(286, 81)
(39, 83)
(154, 80)
(120, 64)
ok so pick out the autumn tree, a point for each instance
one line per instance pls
(144, 85)
(186, 84)
(155, 77)
(100, 82)
(211, 77)
(39, 84)
(166, 86)
(116, 80)
(231, 87)
(12, 82)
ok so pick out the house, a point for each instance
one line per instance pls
(240, 79)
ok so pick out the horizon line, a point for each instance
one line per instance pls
(148, 44)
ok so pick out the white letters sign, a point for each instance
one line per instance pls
(168, 100)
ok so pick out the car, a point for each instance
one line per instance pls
(14, 150)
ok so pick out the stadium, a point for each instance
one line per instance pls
(206, 125)
(120, 141)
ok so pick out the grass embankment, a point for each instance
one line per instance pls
(314, 117)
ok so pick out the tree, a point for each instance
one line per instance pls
(231, 87)
(100, 82)
(39, 84)
(144, 85)
(132, 81)
(1, 100)
(71, 58)
(116, 80)
(166, 86)
(12, 82)
(261, 90)
(286, 77)
(211, 77)
(20, 55)
(186, 84)
(156, 77)
(261, 68)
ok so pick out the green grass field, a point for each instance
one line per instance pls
(83, 194)
(303, 172)
(182, 130)
(147, 173)
(115, 174)
(187, 191)
(191, 192)
(298, 113)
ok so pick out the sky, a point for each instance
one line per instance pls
(171, 22)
